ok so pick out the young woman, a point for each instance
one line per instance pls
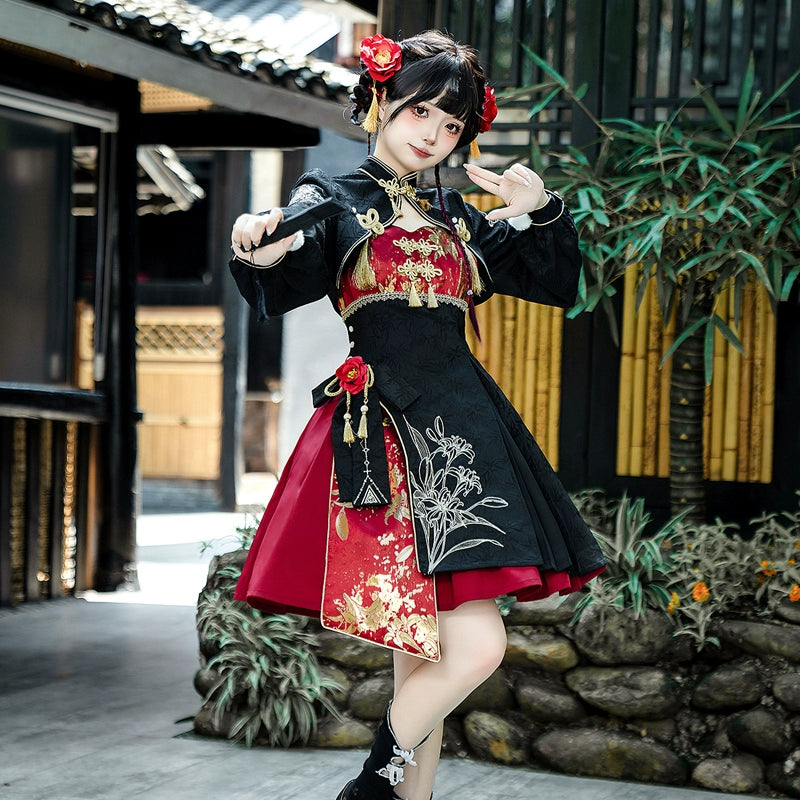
(415, 495)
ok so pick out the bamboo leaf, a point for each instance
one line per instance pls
(746, 92)
(683, 336)
(727, 332)
(545, 67)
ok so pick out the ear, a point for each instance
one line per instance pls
(383, 104)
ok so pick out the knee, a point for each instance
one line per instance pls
(487, 655)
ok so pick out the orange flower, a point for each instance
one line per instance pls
(700, 592)
(768, 568)
(791, 562)
(794, 593)
(674, 602)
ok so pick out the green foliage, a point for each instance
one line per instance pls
(638, 566)
(268, 675)
(699, 206)
(698, 574)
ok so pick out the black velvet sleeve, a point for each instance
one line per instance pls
(541, 263)
(301, 276)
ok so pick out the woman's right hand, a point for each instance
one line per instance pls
(250, 228)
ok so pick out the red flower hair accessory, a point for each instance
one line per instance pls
(486, 117)
(381, 56)
(488, 110)
(353, 374)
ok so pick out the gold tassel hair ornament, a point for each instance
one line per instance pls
(370, 123)
(474, 150)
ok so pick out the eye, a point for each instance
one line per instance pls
(454, 128)
(420, 111)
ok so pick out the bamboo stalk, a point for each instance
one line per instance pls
(520, 334)
(768, 401)
(543, 373)
(667, 338)
(531, 366)
(639, 387)
(717, 413)
(758, 379)
(554, 394)
(731, 423)
(625, 403)
(746, 392)
(509, 306)
(652, 394)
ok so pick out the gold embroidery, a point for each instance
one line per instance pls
(414, 270)
(422, 246)
(371, 221)
(462, 230)
(396, 191)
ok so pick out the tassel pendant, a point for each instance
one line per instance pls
(362, 425)
(432, 301)
(474, 150)
(364, 274)
(413, 297)
(348, 428)
(370, 123)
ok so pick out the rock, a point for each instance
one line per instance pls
(352, 652)
(729, 687)
(370, 699)
(761, 638)
(786, 688)
(621, 638)
(548, 700)
(343, 733)
(204, 680)
(552, 610)
(640, 692)
(454, 743)
(206, 723)
(334, 673)
(546, 651)
(495, 739)
(761, 732)
(785, 777)
(662, 730)
(740, 774)
(789, 611)
(607, 754)
(492, 695)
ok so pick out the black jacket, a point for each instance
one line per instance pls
(483, 494)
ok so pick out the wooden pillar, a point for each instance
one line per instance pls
(118, 530)
(6, 470)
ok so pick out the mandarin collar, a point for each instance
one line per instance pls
(377, 170)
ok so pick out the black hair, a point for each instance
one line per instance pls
(434, 67)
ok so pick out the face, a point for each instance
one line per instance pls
(419, 137)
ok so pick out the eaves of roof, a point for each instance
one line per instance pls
(231, 71)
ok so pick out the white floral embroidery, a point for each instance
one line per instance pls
(440, 489)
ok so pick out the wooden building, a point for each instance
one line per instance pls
(92, 95)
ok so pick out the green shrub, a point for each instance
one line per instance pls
(268, 674)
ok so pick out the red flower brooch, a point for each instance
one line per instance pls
(353, 377)
(381, 56)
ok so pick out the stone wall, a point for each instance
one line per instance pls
(633, 702)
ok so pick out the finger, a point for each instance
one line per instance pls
(475, 171)
(501, 213)
(493, 187)
(515, 177)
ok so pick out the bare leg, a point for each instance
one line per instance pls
(473, 642)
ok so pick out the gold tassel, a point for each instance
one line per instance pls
(362, 426)
(474, 150)
(477, 283)
(363, 274)
(413, 297)
(348, 428)
(432, 301)
(370, 123)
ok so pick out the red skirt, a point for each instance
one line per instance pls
(285, 569)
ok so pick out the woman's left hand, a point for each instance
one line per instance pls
(520, 188)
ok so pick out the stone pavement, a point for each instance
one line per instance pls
(96, 700)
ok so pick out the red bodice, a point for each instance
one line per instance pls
(426, 259)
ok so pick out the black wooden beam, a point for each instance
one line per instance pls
(31, 401)
(6, 476)
(218, 130)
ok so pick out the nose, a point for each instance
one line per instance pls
(430, 135)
